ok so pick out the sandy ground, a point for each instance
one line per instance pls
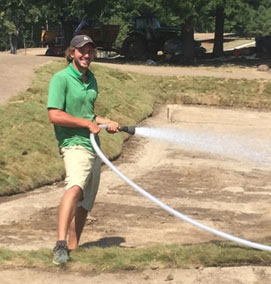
(17, 70)
(223, 275)
(248, 73)
(228, 189)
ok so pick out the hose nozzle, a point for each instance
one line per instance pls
(128, 129)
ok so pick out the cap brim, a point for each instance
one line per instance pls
(84, 43)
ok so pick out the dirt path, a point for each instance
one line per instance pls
(223, 275)
(17, 70)
(229, 72)
(228, 192)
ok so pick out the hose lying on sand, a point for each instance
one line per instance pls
(168, 208)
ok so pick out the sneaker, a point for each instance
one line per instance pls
(61, 253)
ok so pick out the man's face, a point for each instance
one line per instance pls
(83, 56)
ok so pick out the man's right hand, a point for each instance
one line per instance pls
(94, 128)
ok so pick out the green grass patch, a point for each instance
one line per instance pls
(115, 259)
(28, 150)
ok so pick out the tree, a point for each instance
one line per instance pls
(257, 20)
(218, 6)
(219, 30)
(5, 28)
(17, 28)
(14, 25)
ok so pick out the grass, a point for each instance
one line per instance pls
(115, 259)
(28, 150)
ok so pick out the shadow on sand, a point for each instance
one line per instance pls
(105, 242)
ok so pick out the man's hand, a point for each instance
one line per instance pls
(112, 126)
(94, 128)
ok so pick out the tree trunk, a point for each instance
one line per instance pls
(13, 43)
(188, 42)
(219, 31)
(32, 34)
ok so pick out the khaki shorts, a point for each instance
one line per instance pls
(83, 168)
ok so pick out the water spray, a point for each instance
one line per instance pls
(226, 145)
(131, 130)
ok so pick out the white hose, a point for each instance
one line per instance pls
(168, 208)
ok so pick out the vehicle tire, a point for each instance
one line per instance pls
(134, 47)
(49, 52)
(200, 51)
(265, 49)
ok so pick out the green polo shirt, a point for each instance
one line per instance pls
(68, 93)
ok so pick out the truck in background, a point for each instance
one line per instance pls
(103, 35)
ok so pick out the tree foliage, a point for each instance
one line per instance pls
(16, 18)
(26, 18)
(256, 21)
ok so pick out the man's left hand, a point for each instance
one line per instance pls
(112, 127)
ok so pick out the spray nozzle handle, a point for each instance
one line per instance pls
(128, 129)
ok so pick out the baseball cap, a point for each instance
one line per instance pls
(80, 40)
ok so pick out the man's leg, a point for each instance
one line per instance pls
(67, 209)
(66, 213)
(85, 206)
(76, 227)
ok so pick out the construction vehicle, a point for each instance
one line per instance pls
(147, 38)
(263, 46)
(54, 42)
(103, 35)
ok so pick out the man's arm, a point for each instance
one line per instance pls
(112, 126)
(61, 118)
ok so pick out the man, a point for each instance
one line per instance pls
(71, 97)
